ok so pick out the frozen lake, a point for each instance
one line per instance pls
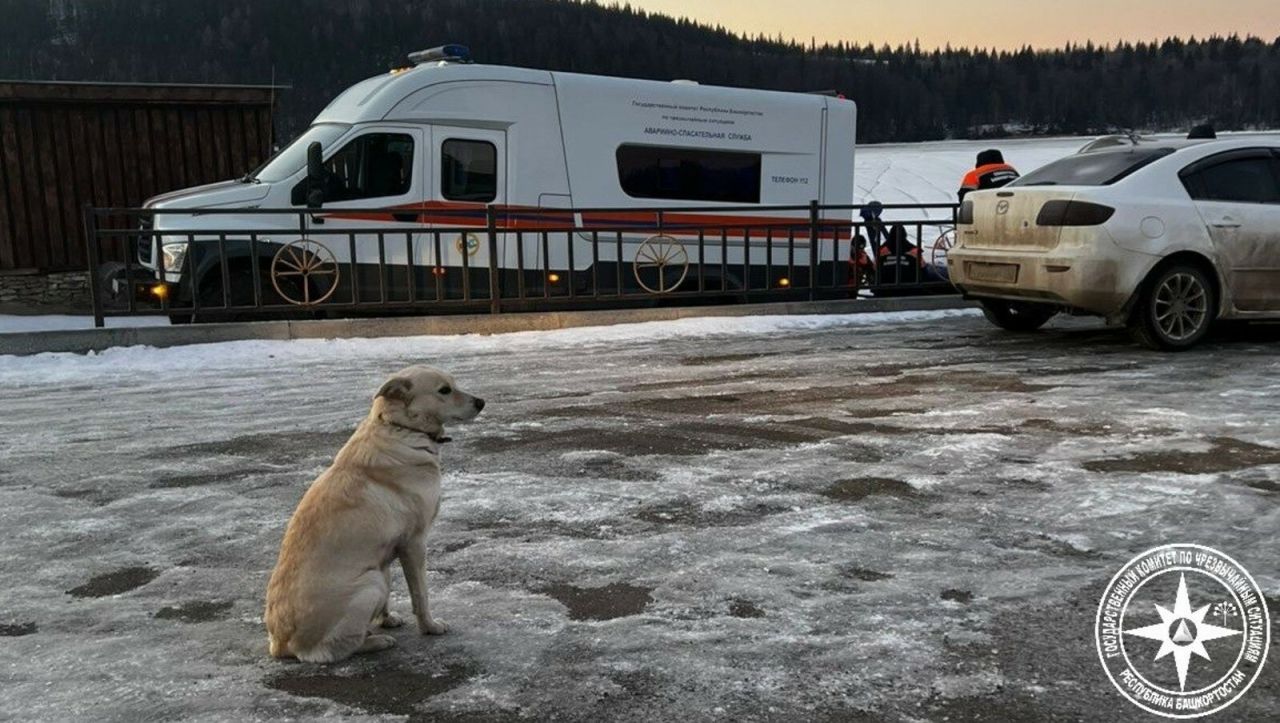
(931, 172)
(878, 517)
(918, 173)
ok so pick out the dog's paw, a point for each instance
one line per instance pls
(376, 643)
(391, 620)
(434, 627)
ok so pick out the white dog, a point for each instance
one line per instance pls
(374, 505)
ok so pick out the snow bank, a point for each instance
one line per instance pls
(131, 361)
(14, 324)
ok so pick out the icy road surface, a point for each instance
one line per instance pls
(809, 518)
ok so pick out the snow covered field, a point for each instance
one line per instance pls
(870, 517)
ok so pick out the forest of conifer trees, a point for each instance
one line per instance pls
(318, 47)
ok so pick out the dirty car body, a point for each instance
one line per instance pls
(1091, 233)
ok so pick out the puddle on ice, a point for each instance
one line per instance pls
(17, 630)
(690, 513)
(200, 480)
(1225, 454)
(617, 600)
(196, 611)
(392, 692)
(115, 583)
(745, 609)
(963, 597)
(863, 574)
(860, 488)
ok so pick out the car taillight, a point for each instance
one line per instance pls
(965, 215)
(1073, 213)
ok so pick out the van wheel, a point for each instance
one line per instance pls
(240, 288)
(1017, 315)
(111, 275)
(1175, 309)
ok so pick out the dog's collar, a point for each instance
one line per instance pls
(433, 436)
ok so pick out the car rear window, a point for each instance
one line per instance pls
(1101, 168)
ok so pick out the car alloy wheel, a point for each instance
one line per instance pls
(1181, 306)
(1177, 307)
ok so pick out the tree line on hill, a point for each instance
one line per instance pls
(319, 47)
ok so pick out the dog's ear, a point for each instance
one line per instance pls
(397, 389)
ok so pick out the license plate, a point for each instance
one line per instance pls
(994, 273)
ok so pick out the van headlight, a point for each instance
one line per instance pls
(174, 254)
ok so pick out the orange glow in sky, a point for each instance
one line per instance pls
(980, 23)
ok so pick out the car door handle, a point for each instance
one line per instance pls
(1226, 224)
(405, 217)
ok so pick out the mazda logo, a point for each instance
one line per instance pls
(1002, 208)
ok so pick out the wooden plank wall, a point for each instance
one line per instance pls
(64, 145)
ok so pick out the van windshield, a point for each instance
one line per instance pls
(294, 156)
(1101, 168)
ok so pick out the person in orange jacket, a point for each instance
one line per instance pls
(898, 261)
(990, 172)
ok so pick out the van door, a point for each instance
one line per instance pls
(470, 174)
(1238, 196)
(374, 187)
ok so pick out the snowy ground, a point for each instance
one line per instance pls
(843, 518)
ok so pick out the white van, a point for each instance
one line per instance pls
(436, 145)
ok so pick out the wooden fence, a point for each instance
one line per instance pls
(65, 145)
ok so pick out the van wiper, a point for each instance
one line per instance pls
(1039, 183)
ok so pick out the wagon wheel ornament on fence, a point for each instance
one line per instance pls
(938, 256)
(661, 264)
(304, 272)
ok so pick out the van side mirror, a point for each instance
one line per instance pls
(315, 176)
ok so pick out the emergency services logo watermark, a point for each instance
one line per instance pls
(1183, 631)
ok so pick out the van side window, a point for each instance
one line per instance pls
(689, 174)
(1250, 179)
(468, 170)
(374, 165)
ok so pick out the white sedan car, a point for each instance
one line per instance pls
(1165, 237)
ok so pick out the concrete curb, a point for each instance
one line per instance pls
(82, 341)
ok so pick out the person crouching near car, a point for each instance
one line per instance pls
(990, 172)
(864, 247)
(898, 260)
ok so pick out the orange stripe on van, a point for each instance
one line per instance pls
(532, 218)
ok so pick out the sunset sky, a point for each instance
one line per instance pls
(985, 23)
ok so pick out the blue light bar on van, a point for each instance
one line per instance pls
(450, 53)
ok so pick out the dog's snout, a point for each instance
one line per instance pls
(479, 404)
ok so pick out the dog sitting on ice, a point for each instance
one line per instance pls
(374, 505)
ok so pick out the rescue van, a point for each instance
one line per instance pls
(449, 144)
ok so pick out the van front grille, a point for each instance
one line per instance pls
(145, 244)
